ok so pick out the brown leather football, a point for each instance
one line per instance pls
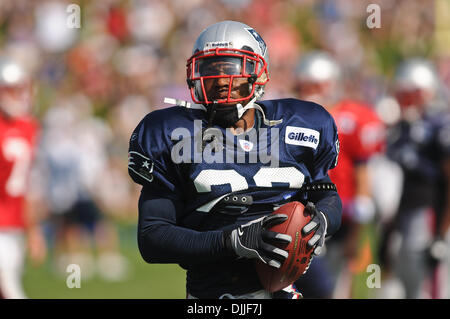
(294, 266)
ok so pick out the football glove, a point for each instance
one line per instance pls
(251, 240)
(318, 224)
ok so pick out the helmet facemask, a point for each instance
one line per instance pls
(231, 65)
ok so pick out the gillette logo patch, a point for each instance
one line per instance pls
(302, 136)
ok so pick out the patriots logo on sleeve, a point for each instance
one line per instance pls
(141, 166)
(337, 146)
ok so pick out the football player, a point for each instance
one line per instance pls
(361, 135)
(420, 143)
(213, 171)
(72, 157)
(18, 135)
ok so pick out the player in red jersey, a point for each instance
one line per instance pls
(18, 135)
(361, 135)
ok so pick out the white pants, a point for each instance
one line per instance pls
(12, 255)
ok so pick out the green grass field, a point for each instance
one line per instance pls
(162, 281)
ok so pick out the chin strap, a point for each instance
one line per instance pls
(252, 105)
(266, 121)
(241, 109)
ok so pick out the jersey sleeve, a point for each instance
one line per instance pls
(326, 156)
(149, 161)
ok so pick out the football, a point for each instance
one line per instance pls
(294, 266)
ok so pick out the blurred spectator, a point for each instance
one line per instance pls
(52, 33)
(73, 162)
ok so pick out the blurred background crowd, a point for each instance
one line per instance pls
(94, 83)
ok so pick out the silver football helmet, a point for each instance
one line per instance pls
(15, 88)
(245, 53)
(317, 66)
(316, 78)
(11, 72)
(416, 73)
(417, 86)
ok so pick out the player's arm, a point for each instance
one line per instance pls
(36, 245)
(330, 204)
(325, 207)
(363, 208)
(161, 240)
(35, 210)
(363, 203)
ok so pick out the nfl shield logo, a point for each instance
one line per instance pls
(246, 145)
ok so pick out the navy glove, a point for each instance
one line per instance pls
(251, 240)
(319, 225)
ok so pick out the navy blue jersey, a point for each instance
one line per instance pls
(420, 148)
(307, 145)
(268, 165)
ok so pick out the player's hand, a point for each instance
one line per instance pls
(251, 240)
(319, 225)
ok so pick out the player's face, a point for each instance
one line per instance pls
(317, 92)
(222, 88)
(412, 98)
(15, 100)
(311, 88)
